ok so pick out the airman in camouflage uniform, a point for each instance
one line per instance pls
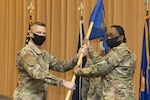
(116, 69)
(34, 64)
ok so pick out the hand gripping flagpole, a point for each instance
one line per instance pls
(81, 7)
(81, 55)
(80, 59)
(93, 18)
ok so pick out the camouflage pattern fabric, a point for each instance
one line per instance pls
(116, 70)
(91, 87)
(85, 83)
(34, 76)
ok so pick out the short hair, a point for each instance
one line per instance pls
(120, 30)
(37, 23)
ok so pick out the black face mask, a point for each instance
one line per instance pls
(113, 42)
(38, 40)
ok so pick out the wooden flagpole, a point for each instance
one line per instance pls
(81, 55)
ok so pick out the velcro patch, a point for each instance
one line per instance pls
(29, 59)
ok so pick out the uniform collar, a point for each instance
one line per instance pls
(34, 48)
(123, 45)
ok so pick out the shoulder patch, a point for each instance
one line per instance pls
(26, 55)
(29, 59)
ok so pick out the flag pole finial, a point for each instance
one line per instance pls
(147, 8)
(30, 7)
(81, 8)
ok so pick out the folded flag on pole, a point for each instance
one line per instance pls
(77, 93)
(99, 28)
(28, 36)
(145, 64)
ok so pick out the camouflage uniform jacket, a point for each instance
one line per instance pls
(116, 70)
(91, 87)
(34, 76)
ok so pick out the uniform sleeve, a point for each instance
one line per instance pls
(62, 66)
(104, 66)
(31, 66)
(94, 55)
